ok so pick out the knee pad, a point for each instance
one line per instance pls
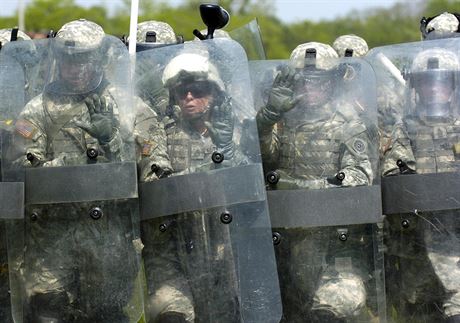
(344, 295)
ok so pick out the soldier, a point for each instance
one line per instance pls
(152, 34)
(350, 45)
(444, 25)
(209, 226)
(81, 255)
(428, 238)
(312, 138)
(200, 124)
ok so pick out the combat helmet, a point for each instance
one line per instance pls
(350, 45)
(445, 25)
(193, 72)
(79, 47)
(434, 77)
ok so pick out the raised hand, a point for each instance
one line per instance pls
(220, 127)
(102, 124)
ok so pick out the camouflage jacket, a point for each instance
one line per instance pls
(47, 128)
(314, 150)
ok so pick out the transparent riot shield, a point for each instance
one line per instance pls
(249, 37)
(208, 246)
(11, 195)
(72, 145)
(11, 222)
(421, 201)
(317, 128)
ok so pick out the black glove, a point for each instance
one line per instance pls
(220, 128)
(102, 125)
(161, 172)
(404, 169)
(282, 97)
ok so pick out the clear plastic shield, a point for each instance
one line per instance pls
(317, 128)
(207, 225)
(11, 195)
(72, 146)
(249, 37)
(420, 203)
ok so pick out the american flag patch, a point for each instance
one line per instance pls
(146, 148)
(25, 128)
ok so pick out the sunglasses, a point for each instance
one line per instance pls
(197, 89)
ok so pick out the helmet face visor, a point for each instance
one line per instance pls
(78, 77)
(315, 88)
(434, 89)
(75, 71)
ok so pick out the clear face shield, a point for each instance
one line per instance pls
(315, 88)
(75, 72)
(434, 91)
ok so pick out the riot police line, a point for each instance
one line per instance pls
(144, 194)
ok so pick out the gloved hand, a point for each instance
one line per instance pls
(282, 97)
(221, 126)
(102, 125)
(161, 172)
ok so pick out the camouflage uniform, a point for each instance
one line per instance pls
(198, 280)
(431, 242)
(320, 281)
(356, 44)
(77, 269)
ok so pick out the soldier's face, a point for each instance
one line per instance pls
(76, 75)
(194, 99)
(314, 92)
(435, 93)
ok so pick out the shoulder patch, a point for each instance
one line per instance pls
(25, 128)
(359, 146)
(147, 147)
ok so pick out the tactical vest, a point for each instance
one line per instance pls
(187, 148)
(435, 145)
(311, 149)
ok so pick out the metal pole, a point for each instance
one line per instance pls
(21, 15)
(133, 27)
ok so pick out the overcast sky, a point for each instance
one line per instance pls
(286, 10)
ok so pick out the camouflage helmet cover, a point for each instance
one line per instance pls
(325, 55)
(80, 36)
(443, 23)
(5, 35)
(353, 42)
(164, 32)
(191, 66)
(446, 60)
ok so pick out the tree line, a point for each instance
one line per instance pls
(380, 26)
